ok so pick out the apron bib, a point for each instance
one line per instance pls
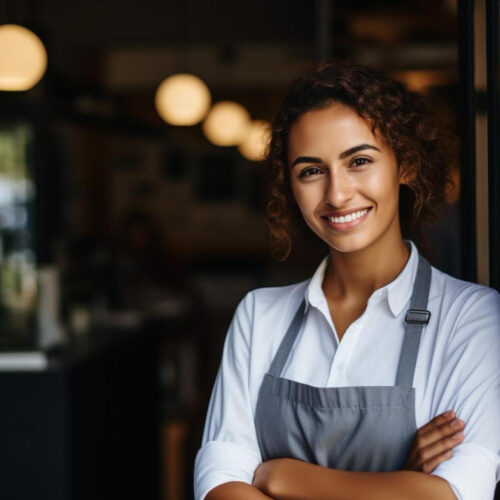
(359, 428)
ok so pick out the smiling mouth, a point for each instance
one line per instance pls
(347, 221)
(347, 218)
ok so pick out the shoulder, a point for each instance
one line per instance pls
(266, 309)
(465, 295)
(469, 313)
(265, 301)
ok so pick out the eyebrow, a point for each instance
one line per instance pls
(345, 154)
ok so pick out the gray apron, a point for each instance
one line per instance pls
(366, 428)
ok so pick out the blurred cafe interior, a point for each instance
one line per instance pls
(132, 219)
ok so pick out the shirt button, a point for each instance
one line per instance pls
(340, 366)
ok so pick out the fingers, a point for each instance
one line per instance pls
(437, 448)
(436, 437)
(441, 419)
(440, 430)
(430, 465)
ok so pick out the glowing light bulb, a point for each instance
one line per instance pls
(23, 58)
(182, 99)
(227, 124)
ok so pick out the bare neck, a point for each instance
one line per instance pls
(354, 276)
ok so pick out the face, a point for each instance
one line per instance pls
(344, 179)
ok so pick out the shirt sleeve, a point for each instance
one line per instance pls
(230, 450)
(470, 385)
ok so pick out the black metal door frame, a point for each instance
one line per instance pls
(469, 98)
(493, 137)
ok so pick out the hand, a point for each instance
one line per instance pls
(433, 442)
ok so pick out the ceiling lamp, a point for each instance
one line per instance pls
(23, 58)
(182, 99)
(227, 124)
(256, 140)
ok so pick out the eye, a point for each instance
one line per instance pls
(359, 162)
(309, 171)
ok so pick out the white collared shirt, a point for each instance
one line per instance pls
(458, 368)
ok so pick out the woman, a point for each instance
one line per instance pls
(379, 377)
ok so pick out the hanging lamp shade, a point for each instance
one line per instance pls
(182, 99)
(227, 124)
(254, 146)
(23, 58)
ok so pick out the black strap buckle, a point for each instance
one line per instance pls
(417, 316)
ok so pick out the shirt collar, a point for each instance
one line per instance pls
(396, 293)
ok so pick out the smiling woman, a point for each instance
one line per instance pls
(367, 105)
(362, 180)
(378, 377)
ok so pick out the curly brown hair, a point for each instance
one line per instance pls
(424, 148)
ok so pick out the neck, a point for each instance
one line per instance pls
(354, 275)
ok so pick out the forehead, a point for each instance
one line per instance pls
(330, 130)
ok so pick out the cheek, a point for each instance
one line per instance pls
(306, 197)
(382, 188)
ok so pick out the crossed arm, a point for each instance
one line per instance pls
(289, 479)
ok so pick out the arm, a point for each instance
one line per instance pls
(229, 451)
(289, 479)
(469, 382)
(432, 445)
(236, 489)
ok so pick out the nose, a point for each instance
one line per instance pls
(339, 188)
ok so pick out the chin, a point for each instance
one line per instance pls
(347, 247)
(347, 243)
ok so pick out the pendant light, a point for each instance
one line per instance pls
(182, 99)
(23, 58)
(227, 124)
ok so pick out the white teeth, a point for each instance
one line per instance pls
(348, 218)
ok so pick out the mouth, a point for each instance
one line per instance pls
(345, 223)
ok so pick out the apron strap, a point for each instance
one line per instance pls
(416, 318)
(286, 344)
